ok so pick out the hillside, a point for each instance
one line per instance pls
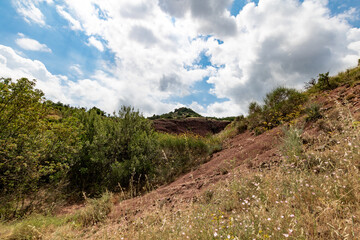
(277, 175)
(199, 126)
(178, 113)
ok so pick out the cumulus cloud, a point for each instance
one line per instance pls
(157, 44)
(14, 66)
(142, 35)
(210, 16)
(281, 43)
(31, 44)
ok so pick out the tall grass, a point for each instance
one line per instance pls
(181, 153)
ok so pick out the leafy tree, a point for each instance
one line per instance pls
(254, 108)
(34, 150)
(115, 150)
(323, 81)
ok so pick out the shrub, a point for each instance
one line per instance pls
(325, 83)
(114, 150)
(313, 112)
(284, 100)
(280, 105)
(240, 123)
(241, 126)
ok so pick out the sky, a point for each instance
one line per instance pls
(214, 56)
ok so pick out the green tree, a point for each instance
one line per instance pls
(34, 149)
(115, 150)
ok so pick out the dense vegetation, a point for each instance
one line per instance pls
(50, 146)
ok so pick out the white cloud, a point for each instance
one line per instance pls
(96, 43)
(76, 70)
(29, 10)
(74, 24)
(100, 90)
(281, 43)
(31, 44)
(14, 66)
(157, 42)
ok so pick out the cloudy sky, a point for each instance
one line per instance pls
(214, 56)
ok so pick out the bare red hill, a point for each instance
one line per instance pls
(199, 126)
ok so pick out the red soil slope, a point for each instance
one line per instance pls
(244, 152)
(199, 126)
(261, 150)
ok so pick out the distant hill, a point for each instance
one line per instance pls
(178, 113)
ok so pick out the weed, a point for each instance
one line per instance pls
(95, 211)
(292, 147)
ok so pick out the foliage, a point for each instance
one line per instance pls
(313, 112)
(280, 105)
(34, 227)
(34, 149)
(114, 150)
(180, 153)
(324, 81)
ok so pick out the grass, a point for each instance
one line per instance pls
(59, 227)
(181, 153)
(95, 211)
(313, 194)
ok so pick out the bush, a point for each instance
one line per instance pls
(325, 83)
(115, 149)
(284, 101)
(313, 112)
(280, 105)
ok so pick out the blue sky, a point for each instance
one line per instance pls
(67, 46)
(112, 53)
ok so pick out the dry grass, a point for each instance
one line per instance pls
(314, 194)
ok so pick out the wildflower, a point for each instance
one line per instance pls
(215, 234)
(286, 235)
(228, 236)
(292, 215)
(269, 219)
